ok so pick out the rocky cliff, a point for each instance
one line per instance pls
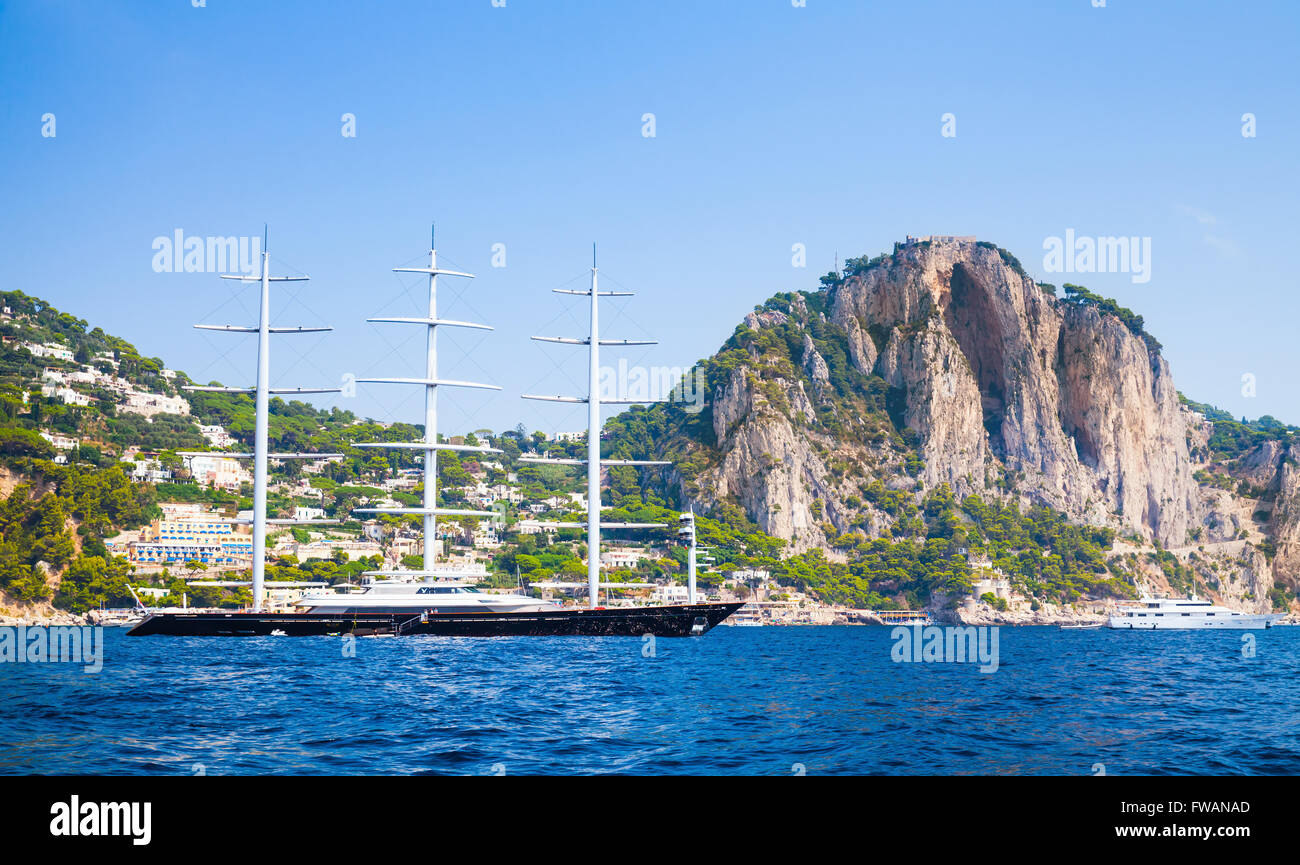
(998, 374)
(944, 363)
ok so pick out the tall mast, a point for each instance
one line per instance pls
(431, 410)
(593, 402)
(262, 393)
(593, 444)
(429, 445)
(263, 402)
(690, 569)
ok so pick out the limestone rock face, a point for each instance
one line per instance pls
(768, 466)
(999, 375)
(1285, 515)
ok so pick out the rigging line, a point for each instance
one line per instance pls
(232, 297)
(299, 357)
(473, 365)
(419, 257)
(380, 364)
(287, 265)
(399, 409)
(556, 366)
(235, 297)
(231, 346)
(620, 309)
(578, 314)
(405, 293)
(457, 294)
(292, 297)
(456, 403)
(395, 350)
(566, 310)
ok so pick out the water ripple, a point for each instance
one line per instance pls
(741, 700)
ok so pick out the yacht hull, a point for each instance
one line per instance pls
(684, 620)
(1191, 623)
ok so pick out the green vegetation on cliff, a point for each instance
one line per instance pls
(1231, 438)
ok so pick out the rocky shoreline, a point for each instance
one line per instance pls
(56, 620)
(986, 615)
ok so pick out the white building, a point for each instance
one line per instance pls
(66, 395)
(150, 471)
(62, 442)
(625, 557)
(486, 538)
(150, 404)
(49, 349)
(216, 434)
(78, 376)
(503, 492)
(188, 532)
(991, 582)
(220, 472)
(671, 594)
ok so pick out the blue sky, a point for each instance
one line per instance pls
(522, 126)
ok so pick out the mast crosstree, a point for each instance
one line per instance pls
(593, 401)
(429, 446)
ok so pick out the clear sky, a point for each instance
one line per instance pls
(522, 126)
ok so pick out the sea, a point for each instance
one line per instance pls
(738, 700)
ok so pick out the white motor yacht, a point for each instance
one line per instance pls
(398, 597)
(1152, 614)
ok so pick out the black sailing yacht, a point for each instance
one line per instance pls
(411, 602)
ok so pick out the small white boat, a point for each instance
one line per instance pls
(1083, 626)
(118, 618)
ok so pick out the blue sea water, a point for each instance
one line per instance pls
(775, 701)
